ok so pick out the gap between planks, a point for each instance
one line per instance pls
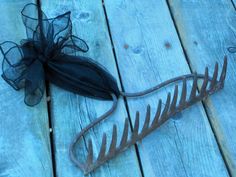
(122, 87)
(184, 59)
(202, 102)
(48, 99)
(52, 117)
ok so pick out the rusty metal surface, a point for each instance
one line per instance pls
(172, 106)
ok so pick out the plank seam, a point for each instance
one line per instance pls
(178, 35)
(233, 4)
(53, 157)
(122, 86)
(202, 102)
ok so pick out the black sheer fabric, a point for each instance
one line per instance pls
(50, 52)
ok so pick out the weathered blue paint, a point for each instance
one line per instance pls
(24, 131)
(207, 29)
(149, 52)
(71, 112)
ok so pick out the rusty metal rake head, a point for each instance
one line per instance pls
(172, 106)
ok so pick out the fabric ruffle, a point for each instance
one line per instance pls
(50, 52)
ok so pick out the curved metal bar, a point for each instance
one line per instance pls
(84, 130)
(161, 85)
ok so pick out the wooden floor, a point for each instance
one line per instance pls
(142, 43)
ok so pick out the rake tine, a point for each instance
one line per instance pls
(157, 115)
(183, 93)
(147, 120)
(223, 73)
(205, 82)
(174, 101)
(194, 87)
(90, 152)
(103, 148)
(214, 78)
(112, 148)
(125, 134)
(164, 114)
(136, 127)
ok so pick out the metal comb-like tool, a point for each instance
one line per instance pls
(50, 53)
(172, 106)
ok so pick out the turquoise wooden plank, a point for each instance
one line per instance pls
(206, 29)
(149, 52)
(71, 112)
(24, 131)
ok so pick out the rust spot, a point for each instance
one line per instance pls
(195, 42)
(126, 46)
(167, 45)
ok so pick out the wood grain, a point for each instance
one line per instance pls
(207, 29)
(24, 131)
(71, 112)
(149, 52)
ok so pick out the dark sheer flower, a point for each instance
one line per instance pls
(49, 52)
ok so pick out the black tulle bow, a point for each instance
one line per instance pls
(50, 52)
